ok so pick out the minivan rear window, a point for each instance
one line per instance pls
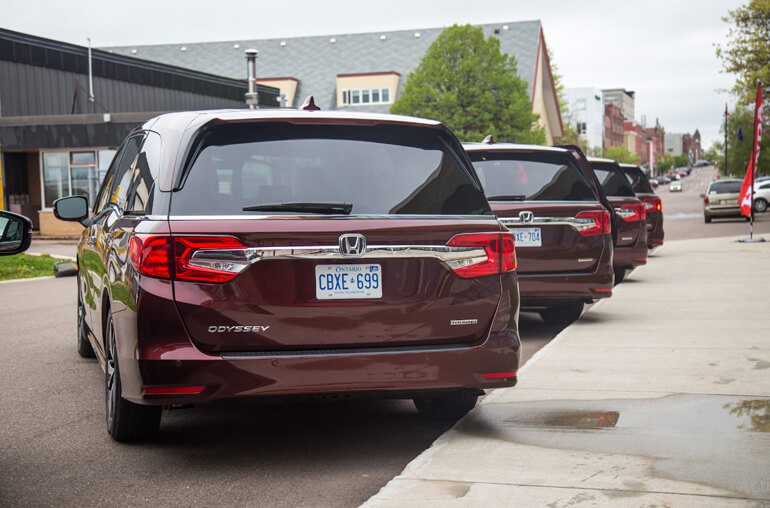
(612, 180)
(639, 182)
(725, 187)
(281, 168)
(538, 176)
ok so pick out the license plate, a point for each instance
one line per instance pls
(729, 201)
(527, 237)
(336, 282)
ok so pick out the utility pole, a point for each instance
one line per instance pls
(726, 115)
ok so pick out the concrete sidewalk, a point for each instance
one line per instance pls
(659, 396)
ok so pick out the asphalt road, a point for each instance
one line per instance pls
(54, 449)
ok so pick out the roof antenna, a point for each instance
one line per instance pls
(489, 140)
(309, 104)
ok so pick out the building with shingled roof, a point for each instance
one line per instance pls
(364, 71)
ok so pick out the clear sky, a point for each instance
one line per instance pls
(661, 49)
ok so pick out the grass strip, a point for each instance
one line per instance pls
(24, 266)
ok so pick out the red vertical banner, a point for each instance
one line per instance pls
(747, 189)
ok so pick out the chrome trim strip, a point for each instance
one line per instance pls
(316, 353)
(585, 260)
(236, 260)
(578, 224)
(327, 217)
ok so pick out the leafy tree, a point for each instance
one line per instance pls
(467, 83)
(739, 152)
(715, 153)
(747, 52)
(621, 154)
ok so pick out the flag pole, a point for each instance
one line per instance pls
(724, 170)
(748, 194)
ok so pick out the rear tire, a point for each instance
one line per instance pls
(620, 274)
(126, 421)
(760, 205)
(450, 406)
(85, 350)
(706, 218)
(562, 314)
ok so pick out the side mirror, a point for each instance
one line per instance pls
(15, 233)
(72, 208)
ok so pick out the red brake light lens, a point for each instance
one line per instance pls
(218, 267)
(633, 212)
(651, 204)
(601, 224)
(151, 255)
(498, 256)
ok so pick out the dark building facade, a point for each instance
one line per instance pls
(60, 125)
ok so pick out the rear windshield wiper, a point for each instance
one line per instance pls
(330, 208)
(507, 197)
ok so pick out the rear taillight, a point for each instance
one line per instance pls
(632, 212)
(705, 200)
(208, 258)
(151, 255)
(593, 222)
(487, 254)
(193, 258)
(653, 205)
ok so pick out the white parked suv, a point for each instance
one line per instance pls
(761, 196)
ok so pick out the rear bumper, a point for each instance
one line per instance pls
(540, 290)
(164, 357)
(655, 233)
(732, 211)
(630, 257)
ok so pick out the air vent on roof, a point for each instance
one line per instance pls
(283, 44)
(133, 51)
(505, 28)
(497, 31)
(383, 37)
(332, 41)
(236, 46)
(309, 104)
(183, 48)
(489, 140)
(417, 35)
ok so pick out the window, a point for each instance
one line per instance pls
(366, 96)
(77, 173)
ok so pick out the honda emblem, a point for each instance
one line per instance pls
(526, 216)
(352, 245)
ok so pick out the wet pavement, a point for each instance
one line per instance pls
(659, 396)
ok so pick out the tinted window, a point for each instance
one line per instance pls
(120, 182)
(612, 180)
(371, 169)
(639, 182)
(725, 187)
(531, 176)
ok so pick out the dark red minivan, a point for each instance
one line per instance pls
(278, 252)
(652, 203)
(631, 244)
(563, 231)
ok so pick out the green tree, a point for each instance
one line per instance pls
(621, 154)
(465, 82)
(739, 152)
(747, 52)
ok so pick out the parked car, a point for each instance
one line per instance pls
(653, 206)
(15, 233)
(248, 253)
(654, 183)
(675, 186)
(631, 247)
(563, 231)
(721, 199)
(761, 196)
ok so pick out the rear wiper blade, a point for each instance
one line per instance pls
(331, 208)
(507, 197)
